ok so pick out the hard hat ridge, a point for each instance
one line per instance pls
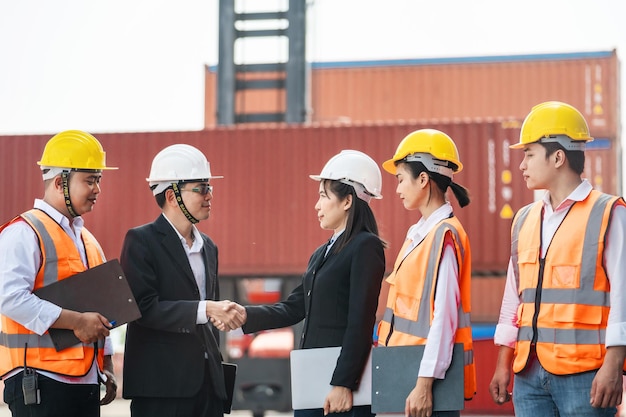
(555, 121)
(73, 149)
(433, 148)
(356, 169)
(431, 163)
(176, 163)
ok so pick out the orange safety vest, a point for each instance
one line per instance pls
(568, 331)
(60, 259)
(411, 301)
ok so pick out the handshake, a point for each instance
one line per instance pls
(226, 315)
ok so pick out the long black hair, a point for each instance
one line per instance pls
(360, 214)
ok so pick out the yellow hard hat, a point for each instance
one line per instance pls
(431, 147)
(554, 121)
(74, 149)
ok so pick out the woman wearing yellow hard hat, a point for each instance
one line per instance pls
(429, 289)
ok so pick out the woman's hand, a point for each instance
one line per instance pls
(419, 403)
(338, 400)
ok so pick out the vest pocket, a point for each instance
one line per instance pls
(564, 276)
(576, 313)
(406, 306)
(50, 354)
(528, 256)
(578, 351)
(527, 262)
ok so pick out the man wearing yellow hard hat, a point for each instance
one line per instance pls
(562, 326)
(39, 247)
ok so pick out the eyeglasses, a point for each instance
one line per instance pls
(202, 189)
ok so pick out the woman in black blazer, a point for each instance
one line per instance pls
(339, 292)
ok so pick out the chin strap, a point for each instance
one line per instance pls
(65, 175)
(179, 200)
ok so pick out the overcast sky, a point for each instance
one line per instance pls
(138, 65)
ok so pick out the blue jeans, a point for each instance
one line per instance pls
(537, 392)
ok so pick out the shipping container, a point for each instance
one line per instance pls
(263, 216)
(448, 88)
(265, 225)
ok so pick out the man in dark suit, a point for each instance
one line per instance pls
(172, 362)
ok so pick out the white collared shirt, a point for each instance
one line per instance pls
(196, 261)
(332, 241)
(20, 260)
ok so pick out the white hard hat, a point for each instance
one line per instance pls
(177, 163)
(356, 169)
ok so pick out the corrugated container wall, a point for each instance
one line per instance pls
(263, 216)
(450, 88)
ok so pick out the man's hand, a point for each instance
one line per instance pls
(226, 315)
(88, 327)
(606, 388)
(110, 383)
(499, 386)
(91, 327)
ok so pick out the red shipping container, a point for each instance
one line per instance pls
(447, 89)
(263, 218)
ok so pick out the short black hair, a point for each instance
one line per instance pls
(576, 159)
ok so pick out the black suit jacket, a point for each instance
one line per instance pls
(338, 297)
(165, 349)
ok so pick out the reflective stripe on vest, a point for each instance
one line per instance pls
(570, 326)
(14, 341)
(563, 336)
(55, 245)
(50, 269)
(395, 330)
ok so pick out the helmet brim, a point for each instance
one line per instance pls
(390, 166)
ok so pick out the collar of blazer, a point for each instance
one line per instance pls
(173, 247)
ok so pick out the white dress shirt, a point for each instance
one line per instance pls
(332, 241)
(196, 261)
(438, 349)
(20, 260)
(614, 259)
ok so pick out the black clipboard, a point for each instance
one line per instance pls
(230, 373)
(395, 370)
(103, 289)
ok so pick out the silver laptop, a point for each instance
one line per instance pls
(311, 372)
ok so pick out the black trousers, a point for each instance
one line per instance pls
(356, 411)
(57, 398)
(203, 404)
